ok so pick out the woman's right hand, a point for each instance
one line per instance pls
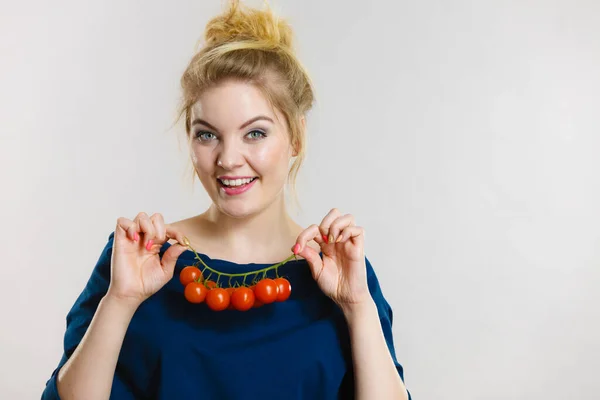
(137, 272)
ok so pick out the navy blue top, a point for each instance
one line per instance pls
(173, 349)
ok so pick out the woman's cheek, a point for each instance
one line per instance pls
(202, 160)
(264, 156)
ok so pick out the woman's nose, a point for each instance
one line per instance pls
(230, 157)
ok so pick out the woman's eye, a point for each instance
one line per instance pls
(205, 136)
(254, 135)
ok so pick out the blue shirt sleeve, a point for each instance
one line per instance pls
(81, 314)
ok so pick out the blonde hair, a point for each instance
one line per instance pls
(253, 46)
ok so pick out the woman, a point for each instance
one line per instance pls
(134, 331)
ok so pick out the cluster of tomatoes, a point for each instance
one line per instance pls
(198, 290)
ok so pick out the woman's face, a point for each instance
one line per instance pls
(240, 148)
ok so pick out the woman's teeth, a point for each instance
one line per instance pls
(236, 182)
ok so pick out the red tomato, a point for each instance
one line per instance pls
(195, 292)
(284, 289)
(242, 299)
(266, 290)
(230, 290)
(257, 302)
(211, 284)
(217, 299)
(190, 274)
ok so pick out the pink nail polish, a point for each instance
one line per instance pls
(136, 237)
(149, 245)
(324, 238)
(296, 248)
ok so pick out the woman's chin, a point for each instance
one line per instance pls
(237, 209)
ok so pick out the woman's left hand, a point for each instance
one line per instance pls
(341, 274)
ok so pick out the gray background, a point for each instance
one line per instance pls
(463, 135)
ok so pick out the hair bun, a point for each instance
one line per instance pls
(239, 23)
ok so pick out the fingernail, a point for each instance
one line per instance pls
(330, 239)
(339, 239)
(186, 241)
(296, 249)
(149, 245)
(136, 237)
(324, 238)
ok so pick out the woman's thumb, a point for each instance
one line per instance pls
(169, 259)
(314, 260)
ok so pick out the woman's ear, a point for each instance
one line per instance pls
(296, 145)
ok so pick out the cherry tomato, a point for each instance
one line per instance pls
(242, 299)
(217, 299)
(211, 284)
(266, 290)
(230, 290)
(190, 274)
(284, 289)
(257, 302)
(195, 292)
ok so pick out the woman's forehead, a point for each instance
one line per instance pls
(230, 104)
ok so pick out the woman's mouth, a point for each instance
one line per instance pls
(237, 186)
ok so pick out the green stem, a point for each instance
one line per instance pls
(264, 270)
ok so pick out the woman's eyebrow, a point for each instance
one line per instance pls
(245, 124)
(260, 117)
(198, 121)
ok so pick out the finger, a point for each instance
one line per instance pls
(310, 233)
(146, 228)
(338, 225)
(172, 233)
(169, 258)
(314, 261)
(159, 228)
(354, 233)
(126, 227)
(326, 223)
(134, 230)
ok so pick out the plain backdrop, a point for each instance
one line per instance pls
(463, 135)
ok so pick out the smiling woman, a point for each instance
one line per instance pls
(205, 307)
(241, 158)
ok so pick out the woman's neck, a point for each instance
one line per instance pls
(267, 235)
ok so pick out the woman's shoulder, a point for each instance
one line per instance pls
(186, 226)
(197, 230)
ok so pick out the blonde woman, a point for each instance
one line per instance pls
(239, 302)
